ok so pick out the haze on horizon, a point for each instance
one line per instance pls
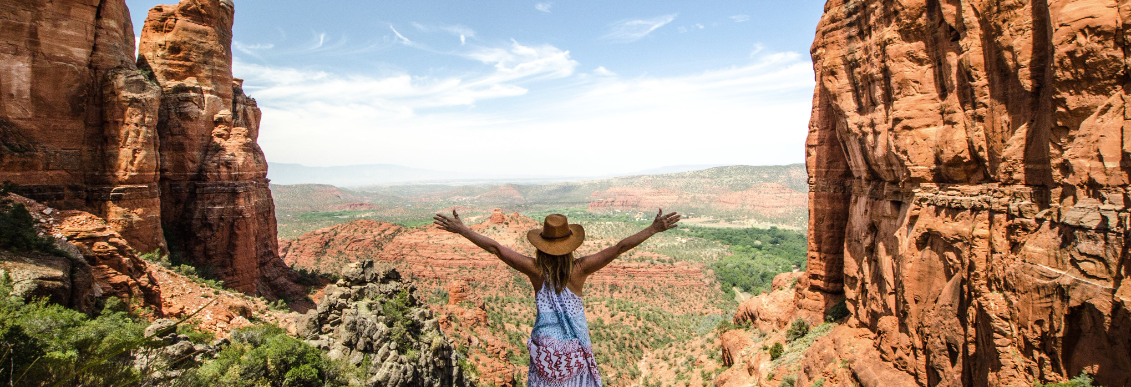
(545, 88)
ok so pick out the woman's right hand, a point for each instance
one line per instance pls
(452, 224)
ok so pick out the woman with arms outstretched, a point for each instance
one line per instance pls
(560, 351)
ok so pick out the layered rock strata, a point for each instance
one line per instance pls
(372, 319)
(94, 262)
(78, 121)
(968, 168)
(214, 189)
(167, 149)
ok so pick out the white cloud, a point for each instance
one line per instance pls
(699, 25)
(527, 100)
(399, 36)
(740, 18)
(758, 47)
(321, 38)
(632, 30)
(604, 72)
(461, 31)
(544, 7)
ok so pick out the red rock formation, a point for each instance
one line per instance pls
(968, 170)
(498, 217)
(330, 249)
(77, 119)
(214, 188)
(171, 144)
(102, 263)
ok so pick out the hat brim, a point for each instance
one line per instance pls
(558, 246)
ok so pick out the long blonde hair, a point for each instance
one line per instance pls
(556, 269)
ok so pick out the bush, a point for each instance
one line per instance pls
(837, 312)
(776, 351)
(264, 355)
(46, 343)
(1082, 380)
(760, 254)
(788, 381)
(19, 231)
(818, 383)
(798, 329)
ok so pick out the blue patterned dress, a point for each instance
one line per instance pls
(561, 354)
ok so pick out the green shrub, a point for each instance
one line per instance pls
(776, 351)
(264, 355)
(798, 329)
(760, 255)
(788, 381)
(818, 383)
(1082, 380)
(837, 312)
(19, 231)
(46, 343)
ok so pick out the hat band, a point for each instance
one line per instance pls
(557, 237)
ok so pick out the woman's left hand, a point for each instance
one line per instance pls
(452, 224)
(664, 222)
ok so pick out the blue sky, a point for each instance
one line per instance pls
(548, 88)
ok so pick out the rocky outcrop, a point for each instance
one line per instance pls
(968, 168)
(372, 319)
(175, 354)
(169, 142)
(93, 262)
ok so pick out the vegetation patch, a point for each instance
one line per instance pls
(265, 355)
(759, 255)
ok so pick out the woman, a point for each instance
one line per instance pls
(560, 351)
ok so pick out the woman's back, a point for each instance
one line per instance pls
(560, 351)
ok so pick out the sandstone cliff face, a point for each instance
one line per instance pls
(968, 168)
(77, 119)
(214, 190)
(171, 144)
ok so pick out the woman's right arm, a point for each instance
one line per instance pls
(522, 263)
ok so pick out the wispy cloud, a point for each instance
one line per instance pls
(461, 31)
(626, 31)
(402, 93)
(399, 36)
(544, 7)
(758, 47)
(752, 113)
(740, 18)
(252, 50)
(319, 40)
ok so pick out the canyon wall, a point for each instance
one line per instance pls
(968, 166)
(161, 147)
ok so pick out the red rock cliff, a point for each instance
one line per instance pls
(214, 189)
(77, 119)
(171, 144)
(968, 166)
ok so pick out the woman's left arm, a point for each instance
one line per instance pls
(522, 263)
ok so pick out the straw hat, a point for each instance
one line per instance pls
(557, 236)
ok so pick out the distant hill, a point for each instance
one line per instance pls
(731, 196)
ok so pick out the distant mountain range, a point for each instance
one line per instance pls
(391, 174)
